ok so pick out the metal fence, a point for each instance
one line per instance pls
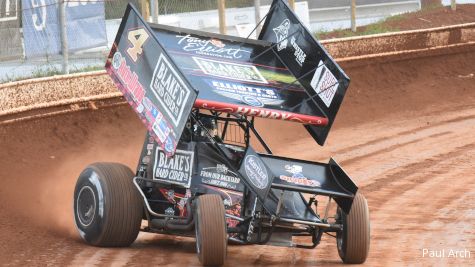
(34, 33)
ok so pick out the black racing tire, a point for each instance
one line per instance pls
(210, 228)
(353, 241)
(107, 207)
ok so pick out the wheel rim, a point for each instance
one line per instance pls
(339, 241)
(197, 232)
(339, 234)
(86, 206)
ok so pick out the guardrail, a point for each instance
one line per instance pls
(50, 96)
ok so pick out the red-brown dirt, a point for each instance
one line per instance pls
(404, 133)
(432, 15)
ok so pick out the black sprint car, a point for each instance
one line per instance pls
(199, 95)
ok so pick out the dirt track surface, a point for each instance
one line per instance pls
(405, 134)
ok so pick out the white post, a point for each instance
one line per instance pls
(257, 11)
(353, 15)
(292, 4)
(154, 6)
(64, 36)
(145, 9)
(453, 5)
(222, 16)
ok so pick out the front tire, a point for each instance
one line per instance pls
(210, 228)
(353, 241)
(107, 207)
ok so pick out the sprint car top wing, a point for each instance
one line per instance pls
(324, 81)
(287, 75)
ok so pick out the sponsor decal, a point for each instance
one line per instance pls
(260, 112)
(252, 95)
(170, 211)
(146, 160)
(142, 168)
(300, 56)
(281, 33)
(149, 149)
(169, 144)
(129, 79)
(116, 60)
(233, 71)
(252, 101)
(150, 110)
(161, 129)
(324, 84)
(170, 90)
(256, 171)
(264, 113)
(210, 47)
(147, 103)
(297, 177)
(176, 170)
(220, 176)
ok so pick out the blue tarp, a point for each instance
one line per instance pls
(85, 26)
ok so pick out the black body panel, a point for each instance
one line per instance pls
(312, 178)
(325, 82)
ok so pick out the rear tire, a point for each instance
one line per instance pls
(353, 241)
(107, 207)
(210, 227)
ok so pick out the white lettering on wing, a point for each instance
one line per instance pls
(209, 47)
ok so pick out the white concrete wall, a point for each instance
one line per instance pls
(447, 2)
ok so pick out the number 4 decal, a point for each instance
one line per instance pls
(137, 38)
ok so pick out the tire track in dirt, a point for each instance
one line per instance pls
(407, 155)
(92, 256)
(401, 131)
(409, 169)
(392, 147)
(415, 209)
(438, 139)
(163, 250)
(405, 132)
